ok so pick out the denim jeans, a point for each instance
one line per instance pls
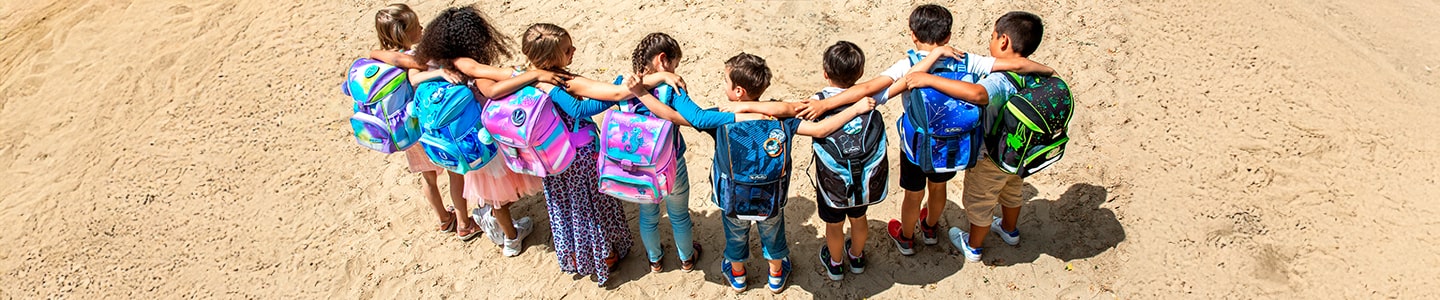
(772, 238)
(677, 205)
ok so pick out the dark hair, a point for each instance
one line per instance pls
(1024, 30)
(461, 32)
(749, 72)
(844, 63)
(542, 45)
(654, 44)
(931, 23)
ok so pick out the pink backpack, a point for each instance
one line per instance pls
(637, 156)
(530, 133)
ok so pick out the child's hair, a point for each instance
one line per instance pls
(749, 72)
(654, 44)
(931, 23)
(543, 46)
(462, 32)
(1024, 30)
(844, 63)
(392, 23)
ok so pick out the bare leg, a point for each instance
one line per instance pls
(936, 203)
(859, 231)
(835, 240)
(462, 208)
(910, 212)
(432, 195)
(977, 236)
(1010, 216)
(502, 217)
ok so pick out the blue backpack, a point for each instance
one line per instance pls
(940, 133)
(450, 128)
(751, 175)
(851, 169)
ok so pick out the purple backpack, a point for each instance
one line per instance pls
(637, 153)
(382, 94)
(530, 133)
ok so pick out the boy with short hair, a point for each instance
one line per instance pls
(843, 64)
(930, 31)
(746, 78)
(1016, 35)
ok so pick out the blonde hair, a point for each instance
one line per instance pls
(392, 23)
(543, 44)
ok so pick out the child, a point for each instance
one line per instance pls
(398, 28)
(930, 31)
(463, 33)
(746, 78)
(1016, 35)
(658, 52)
(844, 63)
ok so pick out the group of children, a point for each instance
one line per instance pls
(589, 228)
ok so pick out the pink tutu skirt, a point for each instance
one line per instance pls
(496, 185)
(419, 161)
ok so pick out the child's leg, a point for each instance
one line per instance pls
(1011, 216)
(462, 207)
(432, 195)
(502, 217)
(678, 207)
(936, 203)
(910, 212)
(772, 240)
(649, 223)
(835, 241)
(859, 231)
(737, 242)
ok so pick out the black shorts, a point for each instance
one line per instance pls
(913, 179)
(836, 215)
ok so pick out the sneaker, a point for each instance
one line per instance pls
(1010, 238)
(857, 264)
(928, 234)
(487, 222)
(961, 240)
(777, 281)
(523, 228)
(737, 282)
(906, 246)
(835, 270)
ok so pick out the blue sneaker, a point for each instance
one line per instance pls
(777, 283)
(961, 240)
(737, 282)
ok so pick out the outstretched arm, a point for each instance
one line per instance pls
(773, 108)
(828, 125)
(969, 92)
(815, 108)
(398, 59)
(1021, 65)
(496, 83)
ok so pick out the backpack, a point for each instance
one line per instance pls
(637, 153)
(382, 94)
(851, 168)
(1030, 128)
(940, 133)
(451, 133)
(751, 175)
(531, 134)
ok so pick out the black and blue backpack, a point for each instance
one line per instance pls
(1029, 129)
(940, 133)
(751, 173)
(851, 168)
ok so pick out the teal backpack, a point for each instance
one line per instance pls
(1029, 129)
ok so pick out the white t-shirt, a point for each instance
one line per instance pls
(975, 64)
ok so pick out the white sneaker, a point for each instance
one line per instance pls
(961, 240)
(523, 227)
(487, 222)
(1010, 238)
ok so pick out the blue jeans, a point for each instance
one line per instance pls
(677, 205)
(772, 238)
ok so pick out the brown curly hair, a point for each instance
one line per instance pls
(462, 32)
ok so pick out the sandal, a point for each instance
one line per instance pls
(612, 263)
(656, 267)
(466, 237)
(448, 226)
(689, 265)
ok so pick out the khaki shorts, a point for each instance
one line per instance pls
(985, 187)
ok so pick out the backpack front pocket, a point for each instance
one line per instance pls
(371, 132)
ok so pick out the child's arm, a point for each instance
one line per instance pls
(592, 89)
(828, 125)
(1021, 65)
(969, 92)
(496, 83)
(398, 59)
(814, 108)
(684, 112)
(772, 108)
(417, 76)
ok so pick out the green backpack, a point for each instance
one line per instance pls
(1028, 130)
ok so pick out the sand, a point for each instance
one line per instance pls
(1221, 149)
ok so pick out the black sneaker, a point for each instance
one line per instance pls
(836, 272)
(857, 264)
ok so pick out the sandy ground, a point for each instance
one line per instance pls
(1222, 149)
